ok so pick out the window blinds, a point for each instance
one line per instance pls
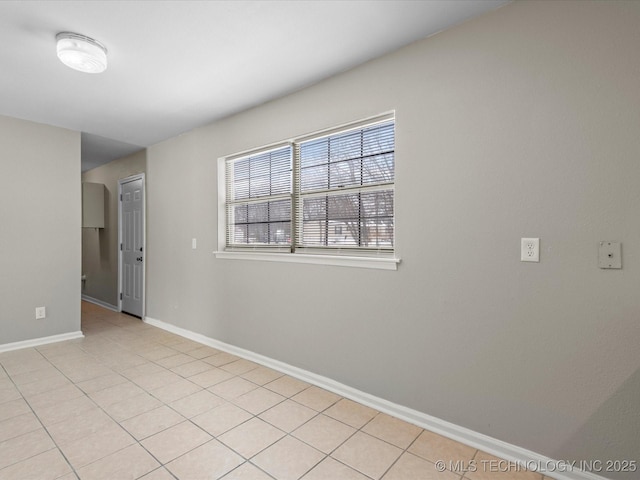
(345, 186)
(330, 192)
(259, 199)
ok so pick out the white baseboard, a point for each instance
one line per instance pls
(512, 453)
(95, 301)
(35, 342)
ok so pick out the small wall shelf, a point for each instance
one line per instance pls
(92, 205)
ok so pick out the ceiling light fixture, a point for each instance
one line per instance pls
(81, 52)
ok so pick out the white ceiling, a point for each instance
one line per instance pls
(177, 65)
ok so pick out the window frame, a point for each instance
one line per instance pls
(362, 257)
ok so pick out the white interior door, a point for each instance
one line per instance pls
(132, 246)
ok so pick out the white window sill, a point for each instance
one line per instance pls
(380, 263)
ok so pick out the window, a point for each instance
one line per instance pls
(345, 189)
(259, 199)
(321, 198)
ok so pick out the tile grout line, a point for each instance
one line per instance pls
(166, 341)
(164, 465)
(254, 416)
(139, 442)
(98, 407)
(188, 419)
(101, 409)
(161, 465)
(214, 437)
(56, 446)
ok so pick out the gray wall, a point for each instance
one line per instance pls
(40, 231)
(100, 247)
(523, 122)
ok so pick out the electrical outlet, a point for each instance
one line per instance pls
(529, 249)
(41, 312)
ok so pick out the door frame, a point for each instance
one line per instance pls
(122, 181)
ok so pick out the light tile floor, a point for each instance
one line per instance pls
(132, 401)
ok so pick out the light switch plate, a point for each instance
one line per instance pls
(194, 243)
(610, 255)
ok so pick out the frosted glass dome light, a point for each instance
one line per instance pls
(81, 53)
